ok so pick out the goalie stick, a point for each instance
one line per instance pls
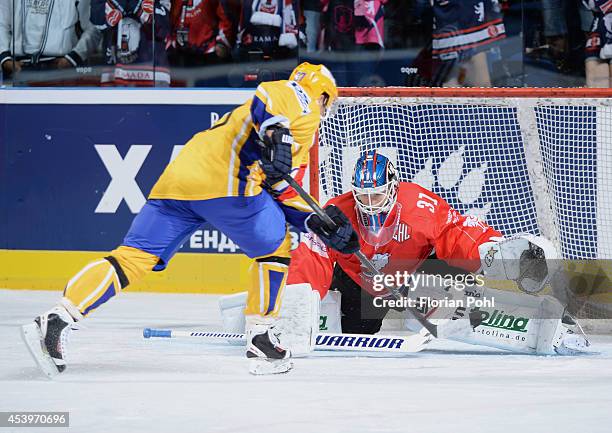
(367, 263)
(324, 342)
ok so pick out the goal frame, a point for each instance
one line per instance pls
(529, 98)
(553, 94)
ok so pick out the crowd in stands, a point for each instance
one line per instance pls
(189, 42)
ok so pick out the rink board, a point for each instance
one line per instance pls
(77, 165)
(186, 273)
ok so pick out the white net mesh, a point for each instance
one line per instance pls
(542, 166)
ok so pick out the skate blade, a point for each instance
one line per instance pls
(260, 367)
(32, 338)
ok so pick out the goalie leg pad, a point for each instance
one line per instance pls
(516, 322)
(298, 321)
(231, 308)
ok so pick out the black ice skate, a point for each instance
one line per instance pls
(266, 354)
(46, 339)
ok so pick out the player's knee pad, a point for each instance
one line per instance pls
(134, 263)
(282, 251)
(268, 278)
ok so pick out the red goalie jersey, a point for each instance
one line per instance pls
(422, 223)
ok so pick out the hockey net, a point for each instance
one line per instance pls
(524, 160)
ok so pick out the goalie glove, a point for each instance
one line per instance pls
(526, 259)
(276, 158)
(341, 238)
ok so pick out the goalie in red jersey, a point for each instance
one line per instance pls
(401, 228)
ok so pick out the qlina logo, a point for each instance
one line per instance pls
(499, 319)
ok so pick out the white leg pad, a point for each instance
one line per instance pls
(232, 314)
(298, 321)
(517, 322)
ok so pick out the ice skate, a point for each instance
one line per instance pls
(266, 354)
(46, 338)
(573, 340)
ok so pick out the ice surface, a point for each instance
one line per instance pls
(118, 382)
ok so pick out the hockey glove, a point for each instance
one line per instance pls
(276, 159)
(341, 238)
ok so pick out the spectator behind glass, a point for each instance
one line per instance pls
(464, 31)
(134, 42)
(268, 29)
(312, 15)
(203, 32)
(354, 24)
(47, 35)
(555, 27)
(598, 47)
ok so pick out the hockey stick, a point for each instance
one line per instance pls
(324, 342)
(433, 329)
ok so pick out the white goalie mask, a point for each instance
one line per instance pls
(374, 186)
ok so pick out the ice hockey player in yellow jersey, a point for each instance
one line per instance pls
(231, 176)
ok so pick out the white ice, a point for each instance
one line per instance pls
(118, 382)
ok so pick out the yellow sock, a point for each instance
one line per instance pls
(268, 278)
(102, 279)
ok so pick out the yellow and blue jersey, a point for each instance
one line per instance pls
(224, 160)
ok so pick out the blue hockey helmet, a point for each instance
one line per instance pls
(374, 183)
(374, 186)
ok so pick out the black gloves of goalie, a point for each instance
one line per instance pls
(341, 238)
(276, 159)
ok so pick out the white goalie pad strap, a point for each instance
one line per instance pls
(297, 324)
(528, 260)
